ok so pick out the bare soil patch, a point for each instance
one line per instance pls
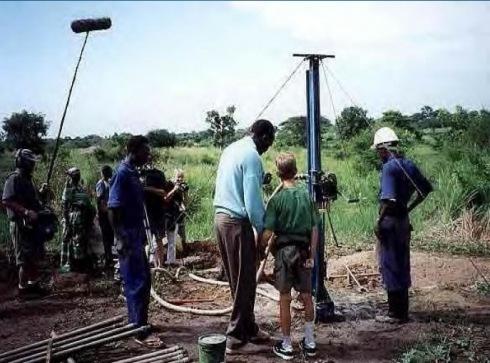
(443, 301)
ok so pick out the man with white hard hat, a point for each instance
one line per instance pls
(400, 178)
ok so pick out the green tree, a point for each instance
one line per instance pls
(395, 118)
(426, 118)
(25, 130)
(292, 132)
(161, 138)
(351, 121)
(443, 117)
(462, 118)
(222, 127)
(478, 131)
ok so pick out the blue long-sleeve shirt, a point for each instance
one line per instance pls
(239, 183)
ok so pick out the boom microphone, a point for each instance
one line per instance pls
(88, 25)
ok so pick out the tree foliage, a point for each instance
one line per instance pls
(25, 130)
(222, 127)
(292, 132)
(351, 121)
(161, 138)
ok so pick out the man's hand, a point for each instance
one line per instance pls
(122, 244)
(310, 263)
(377, 229)
(31, 215)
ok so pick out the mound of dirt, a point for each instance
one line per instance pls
(427, 269)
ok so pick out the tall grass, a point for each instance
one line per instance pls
(353, 222)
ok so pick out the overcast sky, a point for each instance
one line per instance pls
(164, 64)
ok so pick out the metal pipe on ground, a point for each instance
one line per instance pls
(150, 355)
(57, 343)
(76, 343)
(62, 336)
(185, 360)
(164, 358)
(93, 344)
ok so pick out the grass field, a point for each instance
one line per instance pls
(440, 224)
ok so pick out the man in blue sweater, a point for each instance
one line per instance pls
(239, 208)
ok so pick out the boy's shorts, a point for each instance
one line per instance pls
(289, 270)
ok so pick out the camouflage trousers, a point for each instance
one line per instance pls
(73, 245)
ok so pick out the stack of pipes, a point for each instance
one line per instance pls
(174, 354)
(64, 345)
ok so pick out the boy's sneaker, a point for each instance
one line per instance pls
(279, 350)
(308, 351)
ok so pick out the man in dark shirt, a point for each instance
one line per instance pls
(126, 212)
(102, 191)
(21, 200)
(400, 179)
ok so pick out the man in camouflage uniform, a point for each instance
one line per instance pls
(78, 216)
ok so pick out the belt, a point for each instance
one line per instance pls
(284, 240)
(222, 214)
(397, 211)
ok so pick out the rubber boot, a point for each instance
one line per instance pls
(402, 313)
(392, 304)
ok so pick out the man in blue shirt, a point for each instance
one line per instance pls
(400, 179)
(126, 211)
(239, 207)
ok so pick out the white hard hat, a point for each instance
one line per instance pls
(384, 137)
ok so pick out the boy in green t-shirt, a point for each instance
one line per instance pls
(293, 218)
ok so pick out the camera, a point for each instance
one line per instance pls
(183, 186)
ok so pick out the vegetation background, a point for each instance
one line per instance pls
(452, 149)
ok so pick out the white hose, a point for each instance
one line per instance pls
(184, 309)
(208, 281)
(224, 283)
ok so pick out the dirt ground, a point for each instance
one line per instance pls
(444, 302)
